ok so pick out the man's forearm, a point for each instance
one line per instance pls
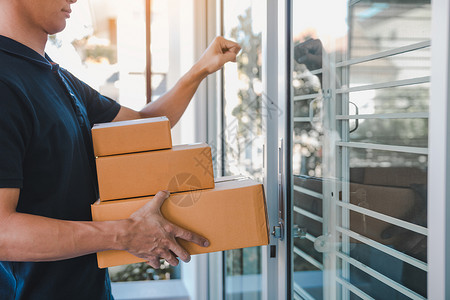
(27, 237)
(146, 234)
(173, 103)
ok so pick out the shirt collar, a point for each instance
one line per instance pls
(15, 48)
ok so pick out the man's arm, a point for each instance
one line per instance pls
(146, 234)
(173, 103)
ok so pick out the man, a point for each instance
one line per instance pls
(47, 169)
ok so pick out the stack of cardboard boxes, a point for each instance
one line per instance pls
(135, 159)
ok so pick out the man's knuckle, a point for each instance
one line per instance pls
(184, 255)
(188, 235)
(168, 227)
(164, 254)
(159, 252)
(165, 243)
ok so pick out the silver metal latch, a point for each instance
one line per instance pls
(278, 231)
(299, 232)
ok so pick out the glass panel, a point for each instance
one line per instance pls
(355, 297)
(397, 67)
(311, 30)
(364, 163)
(364, 209)
(243, 134)
(372, 286)
(383, 25)
(307, 152)
(88, 46)
(405, 99)
(104, 45)
(399, 132)
(301, 108)
(160, 46)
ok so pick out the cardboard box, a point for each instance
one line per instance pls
(182, 168)
(391, 201)
(231, 216)
(131, 136)
(395, 177)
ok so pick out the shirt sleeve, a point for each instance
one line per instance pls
(15, 135)
(100, 109)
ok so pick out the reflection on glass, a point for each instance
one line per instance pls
(307, 151)
(404, 99)
(308, 140)
(104, 45)
(397, 67)
(243, 132)
(399, 132)
(360, 133)
(378, 26)
(243, 100)
(368, 158)
(88, 46)
(160, 34)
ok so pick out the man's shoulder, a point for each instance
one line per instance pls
(15, 78)
(7, 58)
(11, 67)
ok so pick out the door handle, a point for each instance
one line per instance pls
(280, 181)
(299, 232)
(278, 230)
(356, 120)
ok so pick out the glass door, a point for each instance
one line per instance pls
(242, 132)
(358, 147)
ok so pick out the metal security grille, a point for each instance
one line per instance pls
(354, 75)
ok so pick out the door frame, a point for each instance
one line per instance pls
(279, 33)
(439, 154)
(270, 113)
(277, 75)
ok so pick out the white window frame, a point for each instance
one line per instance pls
(270, 265)
(438, 165)
(283, 74)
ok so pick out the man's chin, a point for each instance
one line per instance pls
(56, 29)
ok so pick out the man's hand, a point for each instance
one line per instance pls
(219, 52)
(152, 237)
(309, 53)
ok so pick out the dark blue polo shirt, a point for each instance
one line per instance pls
(46, 150)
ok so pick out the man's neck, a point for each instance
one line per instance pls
(13, 27)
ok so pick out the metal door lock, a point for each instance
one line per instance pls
(299, 232)
(277, 231)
